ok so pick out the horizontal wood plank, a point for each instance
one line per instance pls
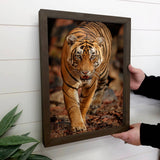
(19, 42)
(24, 43)
(20, 12)
(19, 76)
(28, 102)
(145, 43)
(144, 110)
(144, 1)
(149, 64)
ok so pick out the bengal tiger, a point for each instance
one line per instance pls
(84, 64)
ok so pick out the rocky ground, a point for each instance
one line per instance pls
(109, 114)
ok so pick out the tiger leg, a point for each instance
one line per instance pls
(86, 99)
(72, 105)
(97, 99)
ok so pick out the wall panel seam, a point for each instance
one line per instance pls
(33, 122)
(142, 55)
(32, 59)
(18, 25)
(154, 30)
(19, 92)
(144, 2)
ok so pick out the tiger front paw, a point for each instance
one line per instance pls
(78, 127)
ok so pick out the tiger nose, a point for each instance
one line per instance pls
(85, 72)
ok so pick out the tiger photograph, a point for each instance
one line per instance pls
(85, 76)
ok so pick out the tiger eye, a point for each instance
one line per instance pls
(78, 56)
(93, 57)
(81, 47)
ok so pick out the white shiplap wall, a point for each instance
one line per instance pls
(20, 70)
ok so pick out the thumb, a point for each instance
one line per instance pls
(119, 135)
(132, 69)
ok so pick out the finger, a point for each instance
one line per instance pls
(120, 135)
(123, 136)
(132, 69)
(132, 126)
(135, 125)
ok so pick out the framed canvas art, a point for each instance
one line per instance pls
(84, 76)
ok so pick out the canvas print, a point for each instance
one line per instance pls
(86, 78)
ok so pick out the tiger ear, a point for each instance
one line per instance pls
(71, 39)
(100, 40)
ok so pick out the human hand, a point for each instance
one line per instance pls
(136, 77)
(131, 136)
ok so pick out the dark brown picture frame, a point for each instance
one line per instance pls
(43, 31)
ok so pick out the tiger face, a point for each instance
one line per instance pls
(86, 56)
